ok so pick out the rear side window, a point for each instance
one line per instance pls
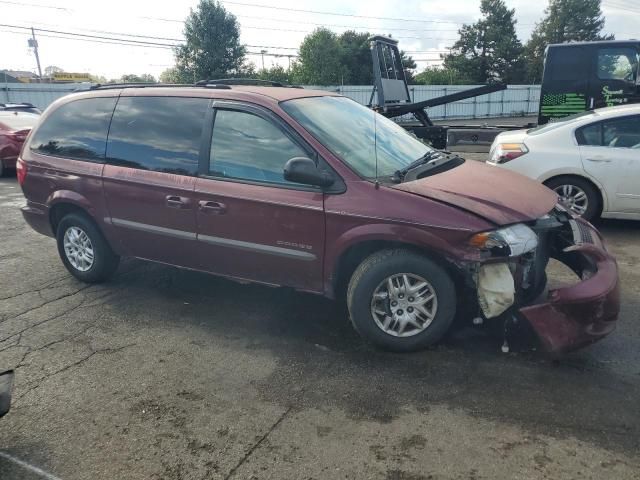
(76, 130)
(615, 133)
(161, 134)
(568, 63)
(617, 64)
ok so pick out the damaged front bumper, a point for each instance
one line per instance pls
(578, 315)
(566, 318)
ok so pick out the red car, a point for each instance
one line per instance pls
(308, 189)
(14, 128)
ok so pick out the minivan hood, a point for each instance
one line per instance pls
(498, 195)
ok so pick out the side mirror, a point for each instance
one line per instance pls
(304, 170)
(6, 384)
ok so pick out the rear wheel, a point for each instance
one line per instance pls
(577, 195)
(401, 301)
(84, 250)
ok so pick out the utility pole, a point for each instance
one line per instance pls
(262, 52)
(33, 43)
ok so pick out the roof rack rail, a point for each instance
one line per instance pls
(106, 86)
(244, 81)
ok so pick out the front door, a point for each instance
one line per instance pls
(252, 223)
(616, 74)
(152, 161)
(610, 152)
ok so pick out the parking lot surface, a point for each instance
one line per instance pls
(172, 374)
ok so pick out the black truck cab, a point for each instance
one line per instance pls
(582, 76)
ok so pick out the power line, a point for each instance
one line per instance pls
(288, 9)
(22, 4)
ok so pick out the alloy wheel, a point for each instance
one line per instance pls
(78, 248)
(404, 305)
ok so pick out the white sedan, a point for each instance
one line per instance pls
(592, 160)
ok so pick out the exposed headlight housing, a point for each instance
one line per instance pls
(510, 241)
(505, 152)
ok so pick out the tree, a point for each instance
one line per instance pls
(51, 70)
(320, 59)
(439, 76)
(133, 78)
(409, 65)
(277, 73)
(489, 49)
(564, 21)
(170, 75)
(212, 46)
(355, 57)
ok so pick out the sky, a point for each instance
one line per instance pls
(425, 28)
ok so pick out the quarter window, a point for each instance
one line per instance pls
(617, 64)
(568, 63)
(76, 130)
(248, 147)
(162, 134)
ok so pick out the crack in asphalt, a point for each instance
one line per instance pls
(108, 350)
(29, 310)
(255, 446)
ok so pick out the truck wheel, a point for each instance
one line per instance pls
(401, 301)
(84, 250)
(577, 195)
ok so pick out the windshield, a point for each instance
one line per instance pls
(19, 121)
(347, 129)
(553, 124)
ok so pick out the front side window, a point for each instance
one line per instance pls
(366, 141)
(617, 64)
(76, 130)
(248, 147)
(161, 134)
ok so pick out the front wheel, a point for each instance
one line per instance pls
(401, 301)
(577, 195)
(84, 250)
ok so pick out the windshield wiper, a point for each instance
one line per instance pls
(398, 177)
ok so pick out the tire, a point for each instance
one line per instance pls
(104, 263)
(576, 185)
(370, 278)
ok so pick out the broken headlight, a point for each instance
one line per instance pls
(510, 241)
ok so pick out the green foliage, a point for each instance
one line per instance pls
(133, 78)
(319, 59)
(564, 21)
(212, 46)
(329, 59)
(439, 76)
(170, 75)
(277, 73)
(489, 49)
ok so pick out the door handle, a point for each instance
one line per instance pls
(215, 208)
(599, 160)
(174, 201)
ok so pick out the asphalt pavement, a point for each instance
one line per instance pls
(170, 374)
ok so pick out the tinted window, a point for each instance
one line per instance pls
(157, 133)
(617, 64)
(76, 130)
(590, 135)
(248, 147)
(568, 63)
(615, 133)
(622, 132)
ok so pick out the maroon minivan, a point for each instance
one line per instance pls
(308, 189)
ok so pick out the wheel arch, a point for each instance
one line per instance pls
(353, 255)
(603, 201)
